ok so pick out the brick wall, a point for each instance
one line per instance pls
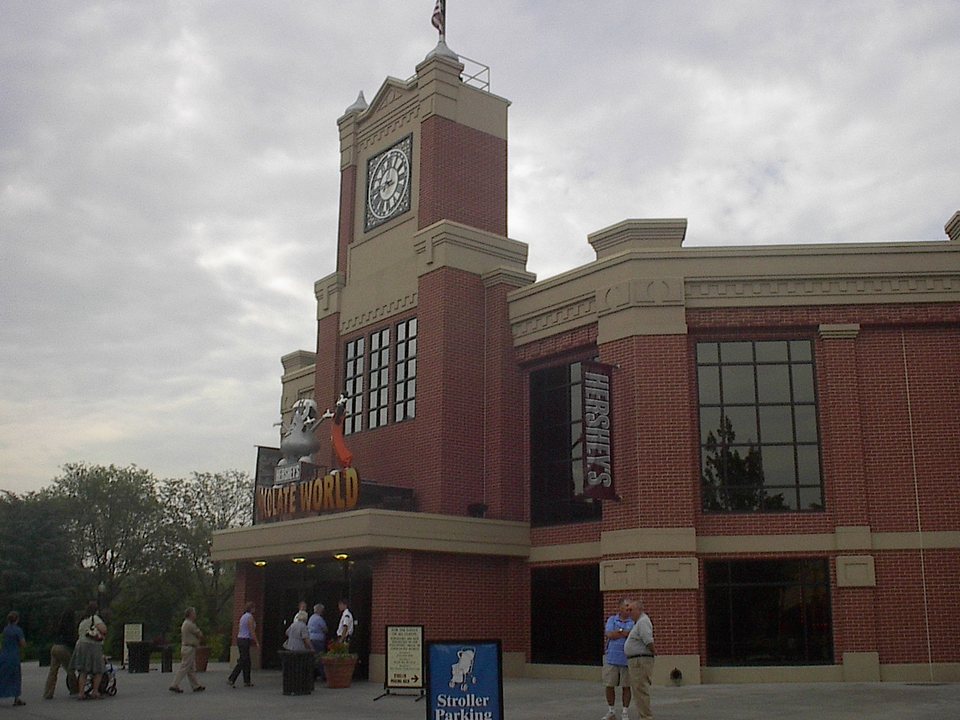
(463, 176)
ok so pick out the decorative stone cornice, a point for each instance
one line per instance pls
(297, 360)
(577, 311)
(650, 234)
(508, 276)
(372, 315)
(450, 244)
(821, 290)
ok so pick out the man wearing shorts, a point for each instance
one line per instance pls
(615, 673)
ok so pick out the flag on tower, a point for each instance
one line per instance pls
(438, 19)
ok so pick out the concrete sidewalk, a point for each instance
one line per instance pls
(145, 697)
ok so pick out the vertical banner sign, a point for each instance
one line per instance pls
(597, 390)
(404, 658)
(465, 680)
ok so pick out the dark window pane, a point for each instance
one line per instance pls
(736, 352)
(811, 497)
(778, 464)
(771, 351)
(738, 386)
(808, 464)
(707, 353)
(806, 423)
(743, 422)
(709, 423)
(801, 350)
(776, 424)
(708, 379)
(773, 384)
(802, 383)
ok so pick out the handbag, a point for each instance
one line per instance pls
(93, 632)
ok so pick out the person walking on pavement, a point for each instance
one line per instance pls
(64, 640)
(615, 672)
(11, 679)
(190, 639)
(640, 653)
(246, 636)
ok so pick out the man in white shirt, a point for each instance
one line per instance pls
(345, 628)
(640, 653)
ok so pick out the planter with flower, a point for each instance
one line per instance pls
(338, 664)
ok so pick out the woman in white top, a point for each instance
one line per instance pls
(298, 639)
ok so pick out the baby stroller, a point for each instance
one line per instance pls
(108, 681)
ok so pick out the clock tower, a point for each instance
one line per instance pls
(413, 323)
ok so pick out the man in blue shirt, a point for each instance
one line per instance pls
(615, 673)
(317, 630)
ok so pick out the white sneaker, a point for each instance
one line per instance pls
(611, 715)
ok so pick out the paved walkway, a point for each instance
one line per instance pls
(145, 697)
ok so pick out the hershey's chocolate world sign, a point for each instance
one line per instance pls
(597, 407)
(301, 490)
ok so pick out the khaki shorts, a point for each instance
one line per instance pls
(615, 675)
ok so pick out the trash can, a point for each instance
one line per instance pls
(297, 672)
(138, 660)
(166, 658)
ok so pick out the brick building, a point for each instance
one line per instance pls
(780, 429)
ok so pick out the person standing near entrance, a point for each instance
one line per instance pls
(190, 639)
(345, 628)
(246, 636)
(317, 629)
(640, 653)
(615, 672)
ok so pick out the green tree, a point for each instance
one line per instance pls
(199, 505)
(39, 572)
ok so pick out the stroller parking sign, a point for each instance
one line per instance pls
(465, 680)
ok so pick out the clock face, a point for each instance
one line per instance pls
(388, 183)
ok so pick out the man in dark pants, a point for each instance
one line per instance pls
(246, 635)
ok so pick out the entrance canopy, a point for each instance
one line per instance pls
(373, 529)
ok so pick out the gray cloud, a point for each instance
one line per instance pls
(169, 175)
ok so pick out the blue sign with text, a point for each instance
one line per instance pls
(465, 680)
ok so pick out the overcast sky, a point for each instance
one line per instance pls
(169, 176)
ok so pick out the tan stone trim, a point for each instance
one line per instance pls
(840, 331)
(508, 276)
(941, 540)
(643, 234)
(861, 667)
(564, 553)
(731, 544)
(650, 573)
(856, 571)
(916, 672)
(372, 315)
(567, 314)
(328, 292)
(372, 529)
(648, 540)
(774, 290)
(844, 539)
(298, 360)
(773, 674)
(853, 537)
(450, 244)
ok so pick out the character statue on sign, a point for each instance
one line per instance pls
(299, 440)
